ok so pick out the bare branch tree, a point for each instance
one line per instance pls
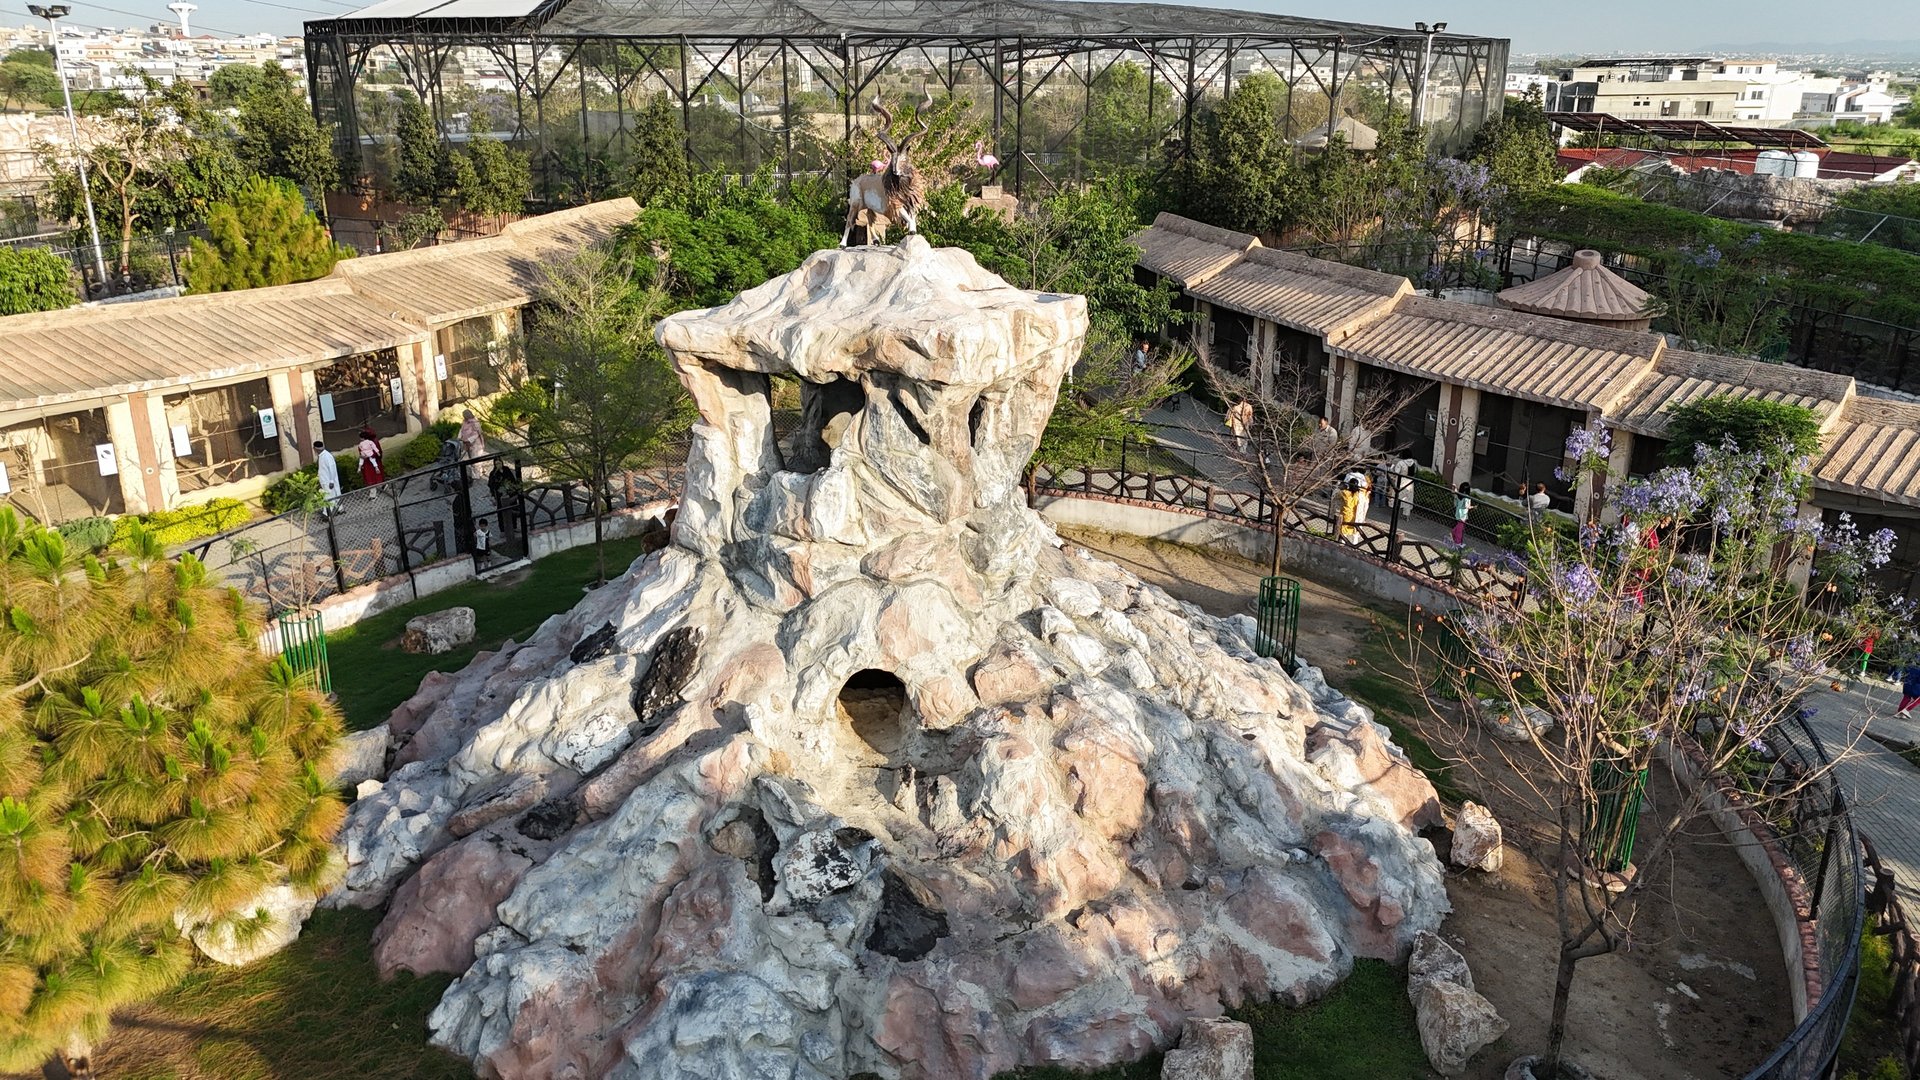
(1676, 633)
(1286, 447)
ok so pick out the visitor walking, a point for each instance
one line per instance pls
(1910, 685)
(328, 471)
(1349, 502)
(1364, 478)
(372, 461)
(1240, 422)
(473, 441)
(1462, 506)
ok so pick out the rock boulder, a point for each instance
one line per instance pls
(1211, 1050)
(866, 772)
(439, 631)
(1476, 839)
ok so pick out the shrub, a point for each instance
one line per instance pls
(300, 489)
(32, 279)
(1751, 423)
(160, 771)
(87, 533)
(423, 450)
(177, 526)
(1516, 535)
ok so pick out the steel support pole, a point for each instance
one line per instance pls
(79, 157)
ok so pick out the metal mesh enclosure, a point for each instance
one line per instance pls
(1067, 89)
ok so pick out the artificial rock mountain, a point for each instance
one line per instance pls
(866, 772)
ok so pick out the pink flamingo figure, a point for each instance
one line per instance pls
(982, 157)
(878, 165)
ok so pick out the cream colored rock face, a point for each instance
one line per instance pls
(866, 773)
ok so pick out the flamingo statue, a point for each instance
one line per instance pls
(879, 166)
(984, 158)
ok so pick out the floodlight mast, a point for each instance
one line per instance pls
(1426, 69)
(51, 12)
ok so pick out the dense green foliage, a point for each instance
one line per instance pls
(659, 173)
(481, 176)
(27, 77)
(1752, 424)
(181, 524)
(32, 279)
(161, 161)
(596, 393)
(1518, 147)
(725, 235)
(265, 236)
(274, 131)
(152, 766)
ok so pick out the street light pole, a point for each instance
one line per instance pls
(1426, 69)
(50, 12)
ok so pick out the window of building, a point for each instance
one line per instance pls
(56, 470)
(1703, 108)
(1669, 107)
(469, 360)
(356, 392)
(216, 436)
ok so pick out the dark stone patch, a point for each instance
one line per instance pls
(593, 646)
(910, 921)
(550, 819)
(667, 675)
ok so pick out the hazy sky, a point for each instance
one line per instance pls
(1626, 25)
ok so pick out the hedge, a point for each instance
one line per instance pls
(1837, 275)
(186, 523)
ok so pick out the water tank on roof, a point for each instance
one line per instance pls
(1773, 163)
(1806, 164)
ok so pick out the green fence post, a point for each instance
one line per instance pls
(303, 644)
(1279, 622)
(1614, 817)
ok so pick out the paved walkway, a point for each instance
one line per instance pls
(1883, 788)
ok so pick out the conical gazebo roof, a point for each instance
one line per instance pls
(1585, 292)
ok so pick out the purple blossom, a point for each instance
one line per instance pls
(1580, 583)
(1880, 546)
(1591, 441)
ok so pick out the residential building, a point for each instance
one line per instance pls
(134, 407)
(1647, 87)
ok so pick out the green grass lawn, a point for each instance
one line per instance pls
(1363, 1030)
(1383, 685)
(317, 1009)
(371, 675)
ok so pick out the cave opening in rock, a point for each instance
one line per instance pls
(827, 410)
(874, 704)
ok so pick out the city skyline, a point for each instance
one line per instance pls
(1634, 25)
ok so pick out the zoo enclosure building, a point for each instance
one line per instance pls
(1066, 89)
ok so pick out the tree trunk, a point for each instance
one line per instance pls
(598, 495)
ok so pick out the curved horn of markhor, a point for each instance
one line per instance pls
(886, 121)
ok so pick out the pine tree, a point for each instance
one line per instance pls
(153, 767)
(266, 236)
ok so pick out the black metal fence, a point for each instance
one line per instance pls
(488, 508)
(1815, 830)
(153, 260)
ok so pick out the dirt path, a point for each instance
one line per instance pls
(1702, 990)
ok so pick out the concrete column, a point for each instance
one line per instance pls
(301, 423)
(127, 438)
(1453, 436)
(165, 469)
(424, 408)
(1343, 382)
(310, 390)
(1591, 500)
(280, 386)
(1265, 345)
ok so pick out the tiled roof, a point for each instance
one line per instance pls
(1188, 251)
(1874, 452)
(1572, 365)
(1584, 290)
(1680, 377)
(368, 303)
(1320, 297)
(444, 284)
(88, 353)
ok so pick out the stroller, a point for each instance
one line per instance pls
(446, 468)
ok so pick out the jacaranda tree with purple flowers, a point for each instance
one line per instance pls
(1677, 628)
